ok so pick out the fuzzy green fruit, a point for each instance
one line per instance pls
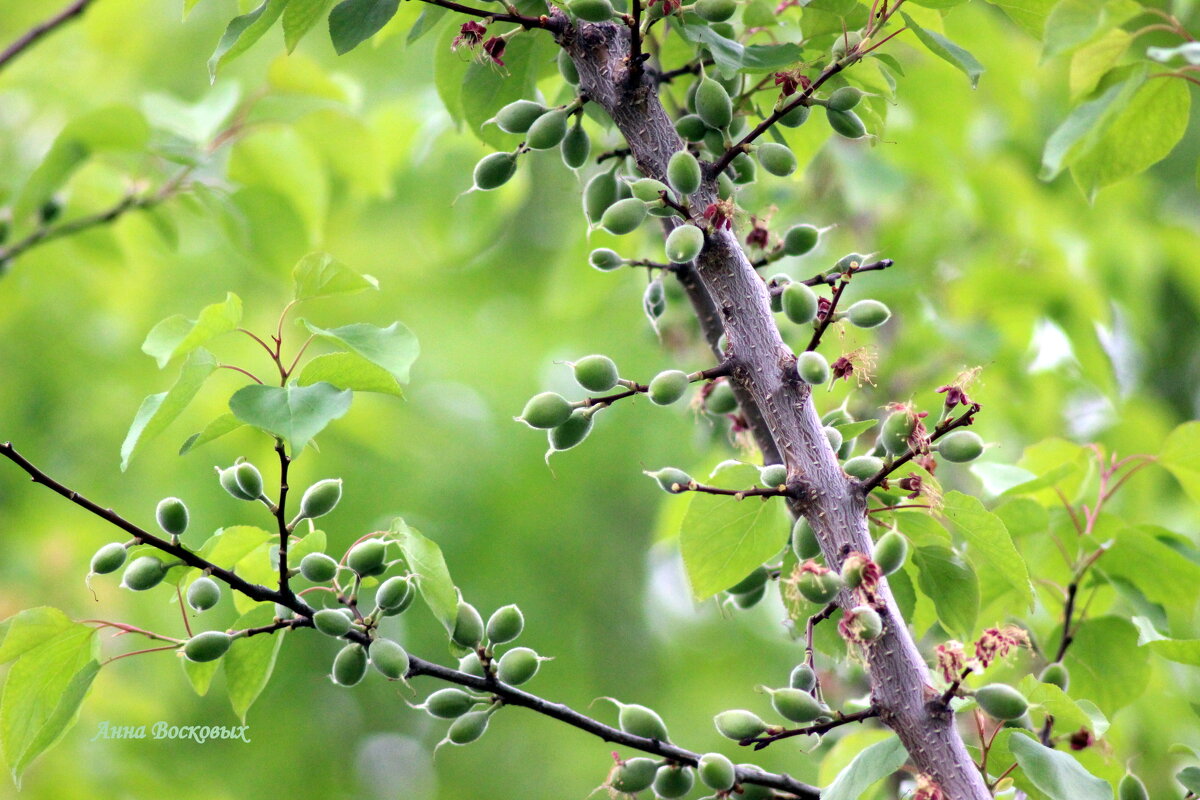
(321, 498)
(668, 386)
(684, 244)
(605, 260)
(572, 432)
(721, 400)
(796, 705)
(868, 314)
(494, 170)
(547, 131)
(517, 666)
(853, 569)
(641, 721)
(756, 579)
(672, 781)
(1001, 701)
(471, 665)
(803, 678)
(468, 728)
(796, 117)
(505, 624)
(960, 446)
(819, 587)
(715, 10)
(799, 303)
(716, 772)
(864, 623)
(691, 128)
(203, 594)
(812, 367)
(516, 117)
(804, 540)
(623, 216)
(890, 552)
(599, 193)
(1132, 788)
(1056, 674)
(109, 558)
(350, 665)
(713, 103)
(669, 477)
(318, 567)
(592, 10)
(332, 622)
(844, 43)
(777, 159)
(144, 573)
(389, 658)
(896, 430)
(468, 626)
(749, 599)
(800, 239)
(739, 724)
(648, 190)
(368, 558)
(394, 594)
(576, 146)
(683, 172)
(596, 373)
(283, 612)
(172, 515)
(449, 703)
(772, 475)
(834, 437)
(863, 467)
(634, 775)
(846, 123)
(745, 171)
(546, 410)
(207, 646)
(566, 68)
(848, 263)
(845, 98)
(228, 480)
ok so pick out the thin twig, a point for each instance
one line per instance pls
(839, 720)
(31, 36)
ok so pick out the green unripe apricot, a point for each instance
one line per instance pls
(599, 193)
(684, 244)
(572, 432)
(739, 724)
(332, 622)
(844, 43)
(249, 479)
(890, 552)
(546, 410)
(203, 594)
(691, 128)
(725, 188)
(505, 624)
(207, 646)
(1132, 788)
(849, 263)
(796, 705)
(576, 146)
(368, 558)
(641, 721)
(812, 367)
(389, 658)
(896, 431)
(799, 303)
(468, 626)
(865, 623)
(863, 467)
(394, 594)
(796, 117)
(683, 172)
(350, 665)
(172, 515)
(846, 123)
(596, 373)
(819, 587)
(772, 475)
(471, 665)
(673, 781)
(591, 10)
(716, 772)
(803, 678)
(623, 216)
(321, 498)
(755, 580)
(845, 98)
(517, 666)
(228, 480)
(960, 446)
(1056, 674)
(804, 540)
(800, 239)
(647, 189)
(605, 260)
(109, 558)
(868, 314)
(318, 567)
(749, 599)
(669, 477)
(744, 169)
(713, 103)
(566, 68)
(1001, 701)
(715, 10)
(449, 703)
(517, 116)
(668, 386)
(721, 399)
(283, 612)
(468, 728)
(494, 170)
(634, 775)
(547, 130)
(834, 437)
(144, 573)
(777, 159)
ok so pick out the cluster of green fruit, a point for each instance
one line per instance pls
(795, 702)
(669, 779)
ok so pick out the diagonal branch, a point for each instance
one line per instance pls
(31, 36)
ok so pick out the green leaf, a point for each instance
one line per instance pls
(200, 674)
(1181, 456)
(278, 158)
(946, 50)
(731, 57)
(298, 19)
(723, 538)
(953, 587)
(870, 766)
(322, 275)
(1156, 569)
(988, 538)
(1029, 14)
(1068, 715)
(1181, 651)
(226, 423)
(429, 19)
(1057, 773)
(61, 720)
(484, 90)
(31, 629)
(393, 348)
(354, 21)
(249, 662)
(315, 542)
(425, 560)
(852, 430)
(1083, 126)
(160, 410)
(230, 545)
(1106, 664)
(349, 371)
(295, 413)
(176, 336)
(1074, 22)
(242, 32)
(1189, 777)
(1091, 61)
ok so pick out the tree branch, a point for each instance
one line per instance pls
(31, 36)
(838, 721)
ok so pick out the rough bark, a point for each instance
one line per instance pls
(730, 298)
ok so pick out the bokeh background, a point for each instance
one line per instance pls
(1083, 317)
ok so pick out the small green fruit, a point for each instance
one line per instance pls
(890, 553)
(228, 480)
(494, 170)
(668, 386)
(749, 599)
(773, 475)
(318, 567)
(669, 477)
(849, 263)
(799, 302)
(572, 432)
(623, 216)
(516, 117)
(566, 68)
(844, 43)
(648, 190)
(896, 430)
(599, 193)
(449, 703)
(804, 540)
(1001, 701)
(673, 781)
(713, 103)
(468, 728)
(684, 244)
(605, 260)
(389, 658)
(716, 772)
(109, 558)
(641, 721)
(144, 573)
(846, 123)
(863, 467)
(207, 646)
(468, 626)
(834, 437)
(548, 130)
(505, 624)
(683, 172)
(471, 665)
(819, 587)
(249, 479)
(715, 10)
(796, 117)
(203, 594)
(1056, 674)
(960, 446)
(350, 665)
(868, 314)
(172, 515)
(853, 569)
(332, 622)
(744, 169)
(517, 666)
(395, 594)
(691, 128)
(739, 724)
(1132, 788)
(368, 558)
(864, 623)
(634, 775)
(596, 373)
(721, 400)
(546, 410)
(777, 159)
(812, 367)
(576, 146)
(803, 678)
(592, 10)
(755, 580)
(321, 498)
(796, 705)
(845, 98)
(800, 239)
(283, 612)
